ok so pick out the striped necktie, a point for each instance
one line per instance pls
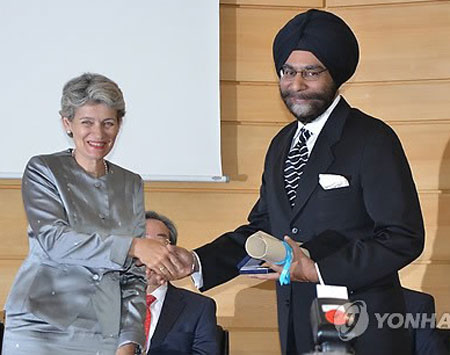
(295, 164)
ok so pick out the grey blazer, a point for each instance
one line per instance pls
(80, 230)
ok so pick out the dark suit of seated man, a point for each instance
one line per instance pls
(182, 322)
(426, 339)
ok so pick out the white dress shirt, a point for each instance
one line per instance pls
(155, 309)
(314, 127)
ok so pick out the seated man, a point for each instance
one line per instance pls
(426, 338)
(178, 321)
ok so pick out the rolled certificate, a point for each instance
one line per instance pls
(261, 245)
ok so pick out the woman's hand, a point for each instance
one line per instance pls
(157, 256)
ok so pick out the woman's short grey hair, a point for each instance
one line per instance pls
(91, 88)
(173, 233)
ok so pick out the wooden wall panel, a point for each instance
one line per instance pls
(393, 101)
(397, 43)
(199, 223)
(246, 41)
(426, 144)
(246, 147)
(251, 342)
(402, 101)
(13, 237)
(345, 3)
(436, 212)
(437, 207)
(430, 278)
(202, 215)
(437, 243)
(8, 270)
(292, 3)
(405, 42)
(255, 103)
(241, 301)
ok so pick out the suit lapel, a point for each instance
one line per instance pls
(322, 154)
(172, 307)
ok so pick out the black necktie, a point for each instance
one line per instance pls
(295, 164)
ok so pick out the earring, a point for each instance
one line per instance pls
(69, 133)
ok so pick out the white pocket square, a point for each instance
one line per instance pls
(332, 181)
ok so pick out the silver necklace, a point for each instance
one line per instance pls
(105, 165)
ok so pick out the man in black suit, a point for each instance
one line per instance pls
(426, 339)
(181, 321)
(336, 180)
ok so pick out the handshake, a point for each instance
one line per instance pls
(163, 260)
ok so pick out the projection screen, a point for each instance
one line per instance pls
(163, 54)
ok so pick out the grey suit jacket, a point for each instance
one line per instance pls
(80, 230)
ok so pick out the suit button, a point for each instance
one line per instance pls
(294, 230)
(97, 184)
(102, 216)
(95, 277)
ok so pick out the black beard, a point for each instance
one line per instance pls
(309, 112)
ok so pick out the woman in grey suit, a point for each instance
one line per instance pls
(80, 290)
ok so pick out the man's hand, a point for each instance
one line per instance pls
(302, 268)
(127, 349)
(157, 256)
(187, 261)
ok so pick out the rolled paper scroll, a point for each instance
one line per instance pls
(263, 246)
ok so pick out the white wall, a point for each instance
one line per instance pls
(163, 54)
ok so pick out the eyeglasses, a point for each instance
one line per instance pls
(288, 73)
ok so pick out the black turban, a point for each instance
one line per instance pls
(323, 34)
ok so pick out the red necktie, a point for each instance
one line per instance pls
(148, 316)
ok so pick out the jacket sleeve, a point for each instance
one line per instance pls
(219, 258)
(205, 338)
(133, 286)
(390, 199)
(50, 227)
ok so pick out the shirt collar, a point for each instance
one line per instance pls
(160, 292)
(316, 126)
